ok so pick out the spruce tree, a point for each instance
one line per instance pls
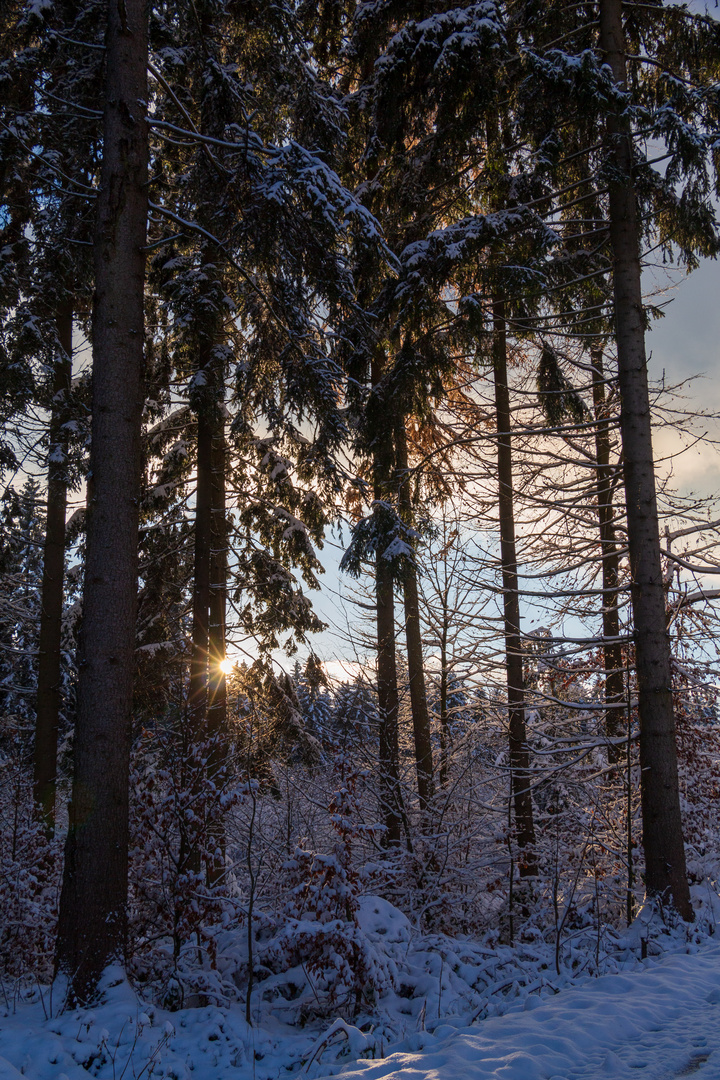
(50, 160)
(665, 871)
(609, 549)
(672, 56)
(93, 916)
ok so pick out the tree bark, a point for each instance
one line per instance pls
(198, 689)
(93, 901)
(217, 695)
(612, 648)
(207, 692)
(519, 753)
(444, 719)
(49, 647)
(387, 688)
(388, 702)
(413, 637)
(206, 678)
(665, 872)
(217, 685)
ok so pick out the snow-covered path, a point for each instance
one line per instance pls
(657, 1024)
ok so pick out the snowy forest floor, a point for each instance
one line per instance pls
(457, 1009)
(659, 1023)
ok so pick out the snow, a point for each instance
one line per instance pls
(397, 548)
(444, 38)
(658, 1017)
(664, 1021)
(36, 8)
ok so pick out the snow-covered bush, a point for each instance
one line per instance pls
(322, 937)
(30, 874)
(177, 881)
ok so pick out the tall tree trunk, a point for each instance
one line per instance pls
(202, 673)
(207, 681)
(388, 702)
(207, 695)
(217, 686)
(217, 696)
(444, 719)
(612, 648)
(93, 902)
(48, 684)
(413, 636)
(387, 688)
(519, 753)
(198, 689)
(665, 872)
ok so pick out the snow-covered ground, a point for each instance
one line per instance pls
(658, 1023)
(657, 1018)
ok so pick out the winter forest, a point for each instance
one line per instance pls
(358, 657)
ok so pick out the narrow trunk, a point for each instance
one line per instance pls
(217, 696)
(519, 754)
(206, 679)
(207, 694)
(444, 722)
(388, 702)
(195, 732)
(48, 685)
(413, 637)
(93, 901)
(217, 687)
(612, 649)
(387, 688)
(198, 690)
(665, 873)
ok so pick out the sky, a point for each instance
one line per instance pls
(685, 343)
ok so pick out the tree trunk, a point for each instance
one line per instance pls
(217, 686)
(665, 873)
(93, 902)
(444, 719)
(387, 689)
(612, 648)
(207, 693)
(48, 684)
(413, 636)
(198, 689)
(217, 695)
(198, 752)
(388, 703)
(519, 753)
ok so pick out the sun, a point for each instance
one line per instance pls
(226, 666)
